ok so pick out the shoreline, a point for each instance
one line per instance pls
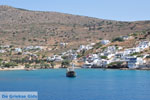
(13, 69)
(23, 68)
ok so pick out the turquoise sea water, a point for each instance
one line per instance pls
(90, 84)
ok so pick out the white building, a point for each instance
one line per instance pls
(87, 65)
(5, 46)
(2, 51)
(92, 44)
(105, 62)
(33, 48)
(120, 55)
(134, 62)
(18, 50)
(126, 37)
(104, 42)
(109, 52)
(84, 47)
(58, 58)
(109, 55)
(63, 44)
(143, 45)
(54, 58)
(110, 49)
(120, 48)
(131, 51)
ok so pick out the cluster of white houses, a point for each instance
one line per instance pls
(118, 54)
(24, 51)
(70, 54)
(5, 48)
(107, 56)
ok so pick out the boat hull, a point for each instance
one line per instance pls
(71, 74)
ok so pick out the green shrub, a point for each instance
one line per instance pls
(117, 39)
(78, 56)
(115, 63)
(134, 54)
(65, 63)
(104, 57)
(27, 65)
(10, 64)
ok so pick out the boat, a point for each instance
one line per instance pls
(71, 72)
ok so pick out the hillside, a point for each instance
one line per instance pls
(23, 27)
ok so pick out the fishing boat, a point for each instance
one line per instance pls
(71, 72)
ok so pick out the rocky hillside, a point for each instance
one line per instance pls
(24, 27)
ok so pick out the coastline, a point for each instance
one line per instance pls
(12, 69)
(23, 68)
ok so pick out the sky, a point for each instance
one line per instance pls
(121, 10)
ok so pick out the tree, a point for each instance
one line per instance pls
(78, 56)
(10, 64)
(27, 65)
(118, 39)
(52, 64)
(65, 63)
(104, 57)
(46, 65)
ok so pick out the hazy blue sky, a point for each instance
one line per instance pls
(125, 10)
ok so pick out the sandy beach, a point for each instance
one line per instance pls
(10, 69)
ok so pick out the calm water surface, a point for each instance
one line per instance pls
(90, 84)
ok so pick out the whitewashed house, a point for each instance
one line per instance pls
(109, 52)
(38, 47)
(134, 50)
(127, 52)
(95, 56)
(2, 51)
(33, 48)
(63, 44)
(58, 58)
(104, 42)
(33, 55)
(101, 54)
(84, 47)
(126, 37)
(5, 46)
(50, 58)
(109, 55)
(73, 56)
(101, 63)
(92, 57)
(110, 49)
(131, 51)
(120, 48)
(105, 62)
(97, 63)
(54, 58)
(87, 65)
(92, 44)
(143, 45)
(134, 62)
(120, 55)
(19, 50)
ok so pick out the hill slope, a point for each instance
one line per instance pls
(24, 27)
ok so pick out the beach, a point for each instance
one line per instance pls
(13, 69)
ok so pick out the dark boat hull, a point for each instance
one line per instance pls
(71, 74)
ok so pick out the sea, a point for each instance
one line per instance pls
(90, 84)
